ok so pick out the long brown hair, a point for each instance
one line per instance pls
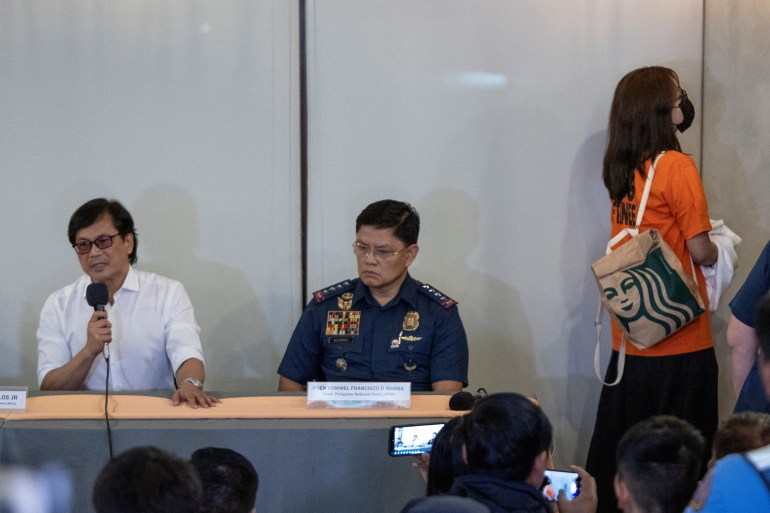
(640, 125)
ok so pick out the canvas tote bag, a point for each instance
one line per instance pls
(644, 287)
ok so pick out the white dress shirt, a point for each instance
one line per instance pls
(153, 332)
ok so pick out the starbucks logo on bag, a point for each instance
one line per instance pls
(652, 293)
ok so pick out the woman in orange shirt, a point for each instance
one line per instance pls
(678, 376)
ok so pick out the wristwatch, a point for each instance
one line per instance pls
(197, 384)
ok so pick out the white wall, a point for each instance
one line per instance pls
(736, 154)
(184, 111)
(490, 117)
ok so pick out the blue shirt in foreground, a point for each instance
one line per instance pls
(737, 483)
(744, 307)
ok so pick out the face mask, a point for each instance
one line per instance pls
(688, 111)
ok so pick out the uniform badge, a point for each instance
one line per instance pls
(396, 342)
(342, 364)
(409, 365)
(345, 301)
(411, 321)
(343, 322)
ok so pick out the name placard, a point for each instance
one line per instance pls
(356, 394)
(13, 398)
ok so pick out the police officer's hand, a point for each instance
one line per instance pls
(98, 333)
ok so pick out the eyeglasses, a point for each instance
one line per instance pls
(681, 97)
(362, 251)
(84, 246)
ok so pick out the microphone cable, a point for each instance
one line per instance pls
(106, 400)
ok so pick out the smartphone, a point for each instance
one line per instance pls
(556, 480)
(412, 438)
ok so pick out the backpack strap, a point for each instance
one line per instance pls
(633, 232)
(598, 353)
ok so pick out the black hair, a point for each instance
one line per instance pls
(147, 480)
(229, 480)
(741, 432)
(660, 459)
(504, 434)
(400, 216)
(91, 211)
(446, 458)
(640, 125)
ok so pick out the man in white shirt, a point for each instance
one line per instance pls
(148, 321)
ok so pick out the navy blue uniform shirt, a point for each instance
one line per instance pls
(345, 335)
(744, 307)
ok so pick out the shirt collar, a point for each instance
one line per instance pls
(130, 283)
(132, 280)
(407, 292)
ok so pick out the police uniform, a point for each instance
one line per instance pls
(345, 335)
(738, 482)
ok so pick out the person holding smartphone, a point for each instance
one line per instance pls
(506, 439)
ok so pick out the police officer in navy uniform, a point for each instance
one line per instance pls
(384, 325)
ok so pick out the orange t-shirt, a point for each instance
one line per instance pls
(677, 208)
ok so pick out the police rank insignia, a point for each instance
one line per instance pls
(342, 364)
(345, 301)
(343, 322)
(411, 321)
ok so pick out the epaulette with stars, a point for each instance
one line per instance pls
(334, 290)
(439, 297)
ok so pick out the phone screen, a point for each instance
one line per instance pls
(412, 439)
(556, 480)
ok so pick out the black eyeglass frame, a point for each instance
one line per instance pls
(83, 247)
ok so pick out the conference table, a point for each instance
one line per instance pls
(308, 459)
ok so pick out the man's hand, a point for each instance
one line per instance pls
(98, 333)
(193, 396)
(587, 501)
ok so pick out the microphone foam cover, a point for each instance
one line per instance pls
(461, 401)
(97, 294)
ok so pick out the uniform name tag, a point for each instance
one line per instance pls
(359, 394)
(13, 398)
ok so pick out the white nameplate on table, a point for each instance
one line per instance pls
(13, 398)
(358, 394)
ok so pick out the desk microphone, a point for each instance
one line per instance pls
(465, 400)
(98, 296)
